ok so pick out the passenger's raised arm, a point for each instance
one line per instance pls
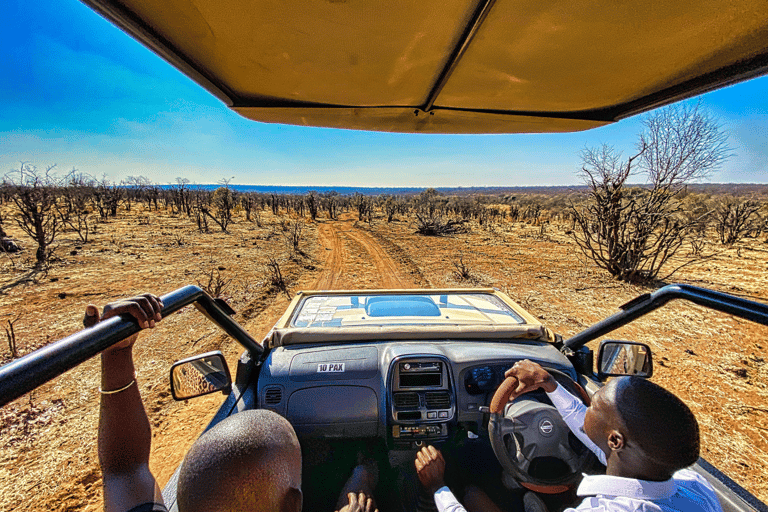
(124, 431)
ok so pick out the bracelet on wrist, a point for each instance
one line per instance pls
(113, 391)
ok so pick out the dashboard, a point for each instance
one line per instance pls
(406, 392)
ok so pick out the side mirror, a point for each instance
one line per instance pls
(617, 358)
(200, 375)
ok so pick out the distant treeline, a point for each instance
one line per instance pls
(43, 204)
(702, 188)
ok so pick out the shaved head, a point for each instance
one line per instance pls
(249, 461)
(663, 427)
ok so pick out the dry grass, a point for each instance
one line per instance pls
(713, 361)
(49, 437)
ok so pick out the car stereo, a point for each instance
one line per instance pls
(421, 400)
(420, 374)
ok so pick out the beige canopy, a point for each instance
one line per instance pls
(451, 66)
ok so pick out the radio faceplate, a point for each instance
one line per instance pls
(421, 398)
(420, 374)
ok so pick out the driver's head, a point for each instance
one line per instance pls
(657, 433)
(249, 461)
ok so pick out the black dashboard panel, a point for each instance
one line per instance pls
(406, 392)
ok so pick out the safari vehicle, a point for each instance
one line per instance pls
(383, 372)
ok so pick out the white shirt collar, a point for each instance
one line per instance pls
(605, 485)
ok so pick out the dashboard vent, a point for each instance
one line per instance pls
(273, 396)
(406, 400)
(437, 400)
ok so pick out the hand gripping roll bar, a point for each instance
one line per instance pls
(36, 368)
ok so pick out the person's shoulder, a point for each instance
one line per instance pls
(690, 482)
(689, 476)
(605, 504)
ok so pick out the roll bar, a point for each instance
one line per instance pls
(644, 304)
(36, 368)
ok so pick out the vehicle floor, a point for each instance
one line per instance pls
(328, 464)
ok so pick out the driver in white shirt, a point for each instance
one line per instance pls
(643, 434)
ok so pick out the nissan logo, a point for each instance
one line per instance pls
(546, 427)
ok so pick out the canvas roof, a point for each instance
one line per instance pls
(451, 66)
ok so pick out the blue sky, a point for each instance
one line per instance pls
(78, 92)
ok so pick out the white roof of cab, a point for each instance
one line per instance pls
(339, 316)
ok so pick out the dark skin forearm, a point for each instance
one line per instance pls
(530, 376)
(125, 435)
(124, 432)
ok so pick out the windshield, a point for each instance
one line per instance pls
(387, 309)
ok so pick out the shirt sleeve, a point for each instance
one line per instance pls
(573, 411)
(447, 502)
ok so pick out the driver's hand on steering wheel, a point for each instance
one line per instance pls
(430, 467)
(530, 376)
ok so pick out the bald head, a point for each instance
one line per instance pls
(249, 461)
(663, 427)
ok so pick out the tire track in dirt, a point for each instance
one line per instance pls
(333, 236)
(328, 238)
(389, 273)
(406, 263)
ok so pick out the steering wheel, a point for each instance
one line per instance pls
(532, 442)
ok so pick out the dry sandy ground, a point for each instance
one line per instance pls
(713, 361)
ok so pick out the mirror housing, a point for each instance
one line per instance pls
(200, 375)
(620, 358)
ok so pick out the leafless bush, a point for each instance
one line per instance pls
(632, 233)
(180, 198)
(330, 202)
(293, 235)
(462, 272)
(697, 246)
(436, 225)
(364, 206)
(223, 201)
(35, 200)
(247, 202)
(202, 221)
(73, 204)
(276, 278)
(107, 197)
(735, 218)
(213, 283)
(11, 336)
(390, 208)
(313, 204)
(532, 213)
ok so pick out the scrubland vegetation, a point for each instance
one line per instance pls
(568, 255)
(103, 240)
(630, 231)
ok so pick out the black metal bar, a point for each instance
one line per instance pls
(644, 304)
(469, 33)
(26, 373)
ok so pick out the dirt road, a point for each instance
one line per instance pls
(356, 259)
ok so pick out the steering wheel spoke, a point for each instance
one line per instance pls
(509, 426)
